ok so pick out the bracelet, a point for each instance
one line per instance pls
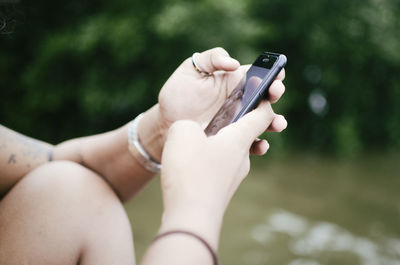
(137, 150)
(209, 248)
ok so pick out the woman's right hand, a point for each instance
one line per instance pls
(200, 174)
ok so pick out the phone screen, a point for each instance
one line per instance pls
(244, 93)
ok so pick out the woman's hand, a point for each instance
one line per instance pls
(189, 95)
(200, 174)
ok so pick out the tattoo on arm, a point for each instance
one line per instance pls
(11, 159)
(50, 154)
(30, 152)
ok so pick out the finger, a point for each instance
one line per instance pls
(275, 91)
(251, 125)
(216, 59)
(259, 147)
(278, 124)
(281, 75)
(236, 77)
(244, 68)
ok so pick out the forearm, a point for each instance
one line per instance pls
(108, 155)
(18, 156)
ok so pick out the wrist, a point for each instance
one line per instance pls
(151, 133)
(204, 222)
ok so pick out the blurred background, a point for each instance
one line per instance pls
(327, 191)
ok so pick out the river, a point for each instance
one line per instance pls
(302, 210)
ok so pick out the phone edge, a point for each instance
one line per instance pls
(280, 64)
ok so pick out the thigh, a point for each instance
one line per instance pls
(62, 213)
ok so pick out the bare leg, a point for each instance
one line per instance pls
(62, 213)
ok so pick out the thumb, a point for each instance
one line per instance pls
(216, 59)
(251, 125)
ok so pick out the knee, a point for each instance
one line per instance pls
(64, 178)
(64, 205)
(66, 183)
(66, 186)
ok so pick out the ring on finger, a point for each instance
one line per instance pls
(196, 66)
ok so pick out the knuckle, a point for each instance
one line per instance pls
(277, 88)
(188, 60)
(265, 106)
(175, 127)
(220, 51)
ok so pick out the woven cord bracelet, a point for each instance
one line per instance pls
(209, 248)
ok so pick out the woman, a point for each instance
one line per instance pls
(62, 204)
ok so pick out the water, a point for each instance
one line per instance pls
(302, 210)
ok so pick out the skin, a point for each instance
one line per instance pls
(63, 213)
(101, 166)
(195, 197)
(107, 154)
(19, 155)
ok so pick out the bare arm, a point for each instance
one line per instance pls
(186, 95)
(19, 155)
(106, 154)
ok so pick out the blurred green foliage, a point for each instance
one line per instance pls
(74, 68)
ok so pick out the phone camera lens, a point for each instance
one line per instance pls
(265, 60)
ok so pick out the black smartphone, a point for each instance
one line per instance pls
(248, 93)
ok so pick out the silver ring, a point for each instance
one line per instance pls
(196, 66)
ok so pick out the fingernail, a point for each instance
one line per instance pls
(284, 123)
(280, 123)
(265, 147)
(266, 144)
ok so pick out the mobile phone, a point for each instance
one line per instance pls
(248, 93)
